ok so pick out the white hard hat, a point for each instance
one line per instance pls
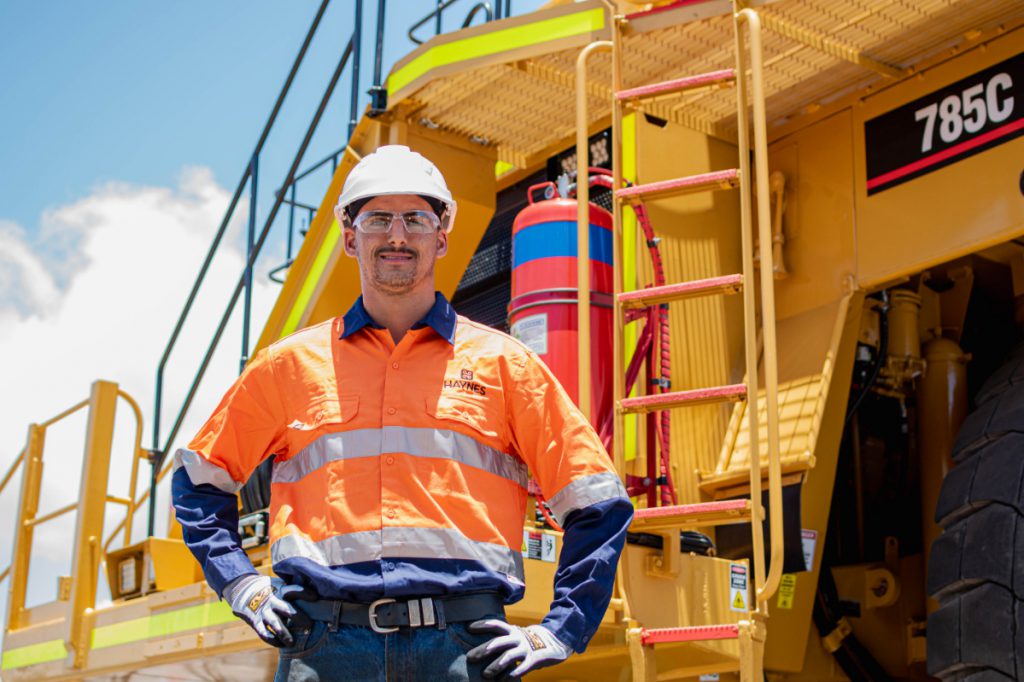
(396, 169)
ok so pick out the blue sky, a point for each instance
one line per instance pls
(125, 126)
(132, 91)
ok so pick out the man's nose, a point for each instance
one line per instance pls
(397, 233)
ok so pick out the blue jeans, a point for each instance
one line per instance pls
(354, 653)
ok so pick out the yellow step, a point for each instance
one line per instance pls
(724, 179)
(702, 514)
(643, 298)
(678, 85)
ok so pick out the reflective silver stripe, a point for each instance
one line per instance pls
(399, 542)
(350, 548)
(448, 543)
(201, 470)
(584, 492)
(455, 446)
(418, 442)
(327, 448)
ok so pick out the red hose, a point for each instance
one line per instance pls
(603, 177)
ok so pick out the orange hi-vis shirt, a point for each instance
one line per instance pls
(400, 470)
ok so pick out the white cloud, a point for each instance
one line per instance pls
(26, 285)
(95, 296)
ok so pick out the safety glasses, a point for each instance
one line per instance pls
(380, 222)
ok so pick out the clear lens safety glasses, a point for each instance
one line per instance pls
(379, 222)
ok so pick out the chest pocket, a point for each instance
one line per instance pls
(330, 410)
(486, 416)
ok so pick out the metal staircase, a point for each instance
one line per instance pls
(759, 333)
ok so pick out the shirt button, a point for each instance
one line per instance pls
(392, 410)
(390, 459)
(394, 365)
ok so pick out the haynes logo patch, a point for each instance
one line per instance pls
(464, 386)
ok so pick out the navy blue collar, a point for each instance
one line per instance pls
(440, 318)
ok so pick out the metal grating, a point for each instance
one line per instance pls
(525, 108)
(485, 288)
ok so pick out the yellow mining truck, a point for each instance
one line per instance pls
(829, 482)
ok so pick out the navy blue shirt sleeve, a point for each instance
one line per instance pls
(593, 541)
(209, 524)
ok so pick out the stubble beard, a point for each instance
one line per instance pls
(394, 281)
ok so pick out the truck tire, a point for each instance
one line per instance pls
(976, 567)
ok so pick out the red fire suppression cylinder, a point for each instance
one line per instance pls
(543, 308)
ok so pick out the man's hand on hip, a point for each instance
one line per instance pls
(253, 599)
(526, 648)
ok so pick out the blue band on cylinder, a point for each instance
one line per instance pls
(558, 239)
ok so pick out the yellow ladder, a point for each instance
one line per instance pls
(750, 631)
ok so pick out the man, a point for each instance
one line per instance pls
(403, 438)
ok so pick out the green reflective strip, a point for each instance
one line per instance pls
(629, 227)
(162, 624)
(495, 42)
(312, 278)
(147, 627)
(33, 654)
(502, 167)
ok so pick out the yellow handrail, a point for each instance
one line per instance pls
(142, 500)
(95, 473)
(52, 515)
(66, 413)
(583, 226)
(750, 333)
(752, 21)
(130, 511)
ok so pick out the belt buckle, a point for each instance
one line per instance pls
(373, 616)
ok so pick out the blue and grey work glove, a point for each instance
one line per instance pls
(516, 649)
(255, 599)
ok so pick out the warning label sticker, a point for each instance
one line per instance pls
(537, 545)
(809, 540)
(533, 331)
(738, 587)
(787, 590)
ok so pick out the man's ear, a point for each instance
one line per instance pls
(442, 243)
(348, 234)
(348, 238)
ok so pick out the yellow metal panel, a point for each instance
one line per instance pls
(325, 253)
(514, 38)
(788, 630)
(807, 346)
(819, 213)
(697, 595)
(948, 212)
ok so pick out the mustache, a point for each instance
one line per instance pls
(392, 250)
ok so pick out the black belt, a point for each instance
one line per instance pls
(387, 615)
